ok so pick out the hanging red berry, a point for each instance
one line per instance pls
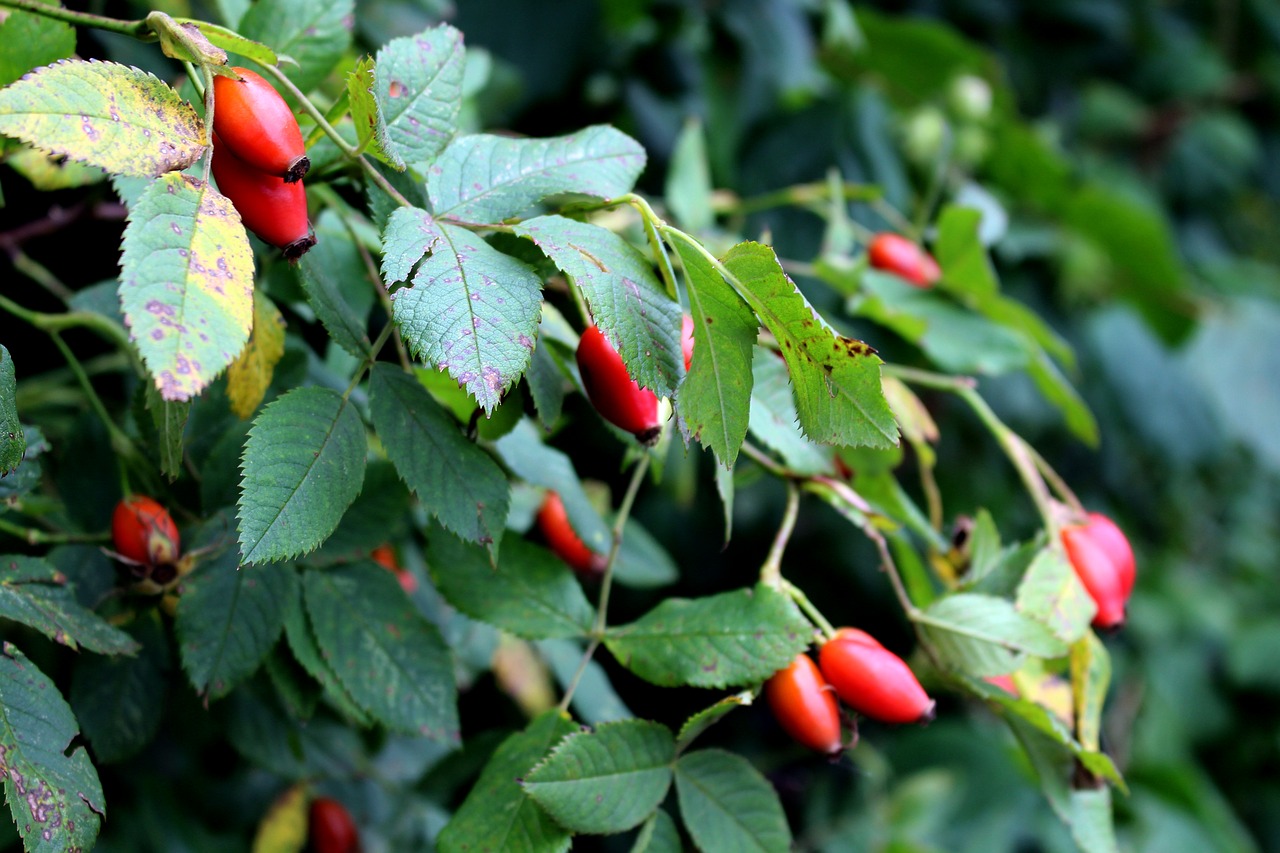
(1108, 536)
(330, 828)
(553, 521)
(898, 255)
(873, 680)
(613, 392)
(686, 339)
(269, 207)
(384, 555)
(805, 706)
(143, 531)
(257, 125)
(1099, 574)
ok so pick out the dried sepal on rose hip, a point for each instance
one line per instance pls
(553, 523)
(805, 706)
(256, 124)
(896, 254)
(615, 395)
(330, 828)
(872, 680)
(274, 210)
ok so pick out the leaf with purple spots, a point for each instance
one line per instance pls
(418, 86)
(469, 309)
(186, 284)
(108, 115)
(485, 178)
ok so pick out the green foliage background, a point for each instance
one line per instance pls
(1128, 184)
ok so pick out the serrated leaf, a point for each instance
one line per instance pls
(367, 117)
(32, 40)
(108, 115)
(283, 829)
(35, 594)
(836, 379)
(456, 481)
(734, 638)
(497, 815)
(169, 419)
(688, 186)
(626, 300)
(985, 635)
(485, 178)
(658, 835)
(1092, 825)
(418, 83)
(13, 442)
(302, 642)
(470, 309)
(249, 376)
(329, 274)
(303, 465)
(119, 701)
(714, 400)
(531, 593)
(605, 781)
(1051, 594)
(55, 796)
(314, 35)
(727, 805)
(322, 749)
(51, 172)
(529, 459)
(773, 418)
(708, 717)
(391, 660)
(642, 562)
(228, 619)
(186, 283)
(1090, 676)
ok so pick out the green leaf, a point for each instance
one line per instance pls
(642, 562)
(169, 419)
(322, 749)
(35, 594)
(688, 187)
(985, 635)
(32, 40)
(108, 115)
(658, 835)
(623, 294)
(485, 178)
(1052, 594)
(531, 593)
(727, 805)
(594, 700)
(715, 397)
(605, 781)
(456, 481)
(708, 717)
(497, 815)
(55, 796)
(1061, 393)
(529, 459)
(302, 642)
(120, 701)
(314, 35)
(470, 309)
(326, 274)
(836, 379)
(230, 40)
(1090, 675)
(965, 266)
(228, 619)
(391, 660)
(419, 92)
(773, 418)
(186, 283)
(303, 466)
(249, 376)
(1091, 822)
(734, 638)
(367, 117)
(13, 442)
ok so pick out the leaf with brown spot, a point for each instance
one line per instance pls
(418, 86)
(108, 115)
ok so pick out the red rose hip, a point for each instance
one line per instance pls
(257, 125)
(612, 391)
(686, 339)
(898, 255)
(553, 521)
(1111, 539)
(1098, 572)
(330, 827)
(873, 680)
(269, 207)
(143, 531)
(805, 705)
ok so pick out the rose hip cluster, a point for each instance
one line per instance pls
(865, 675)
(1103, 560)
(259, 160)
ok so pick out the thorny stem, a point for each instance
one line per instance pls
(771, 571)
(140, 30)
(606, 583)
(40, 537)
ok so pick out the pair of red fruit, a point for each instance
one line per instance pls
(1103, 560)
(865, 675)
(259, 159)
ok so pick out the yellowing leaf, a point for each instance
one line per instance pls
(250, 374)
(284, 827)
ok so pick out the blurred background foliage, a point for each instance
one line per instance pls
(1125, 155)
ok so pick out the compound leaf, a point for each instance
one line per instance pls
(418, 85)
